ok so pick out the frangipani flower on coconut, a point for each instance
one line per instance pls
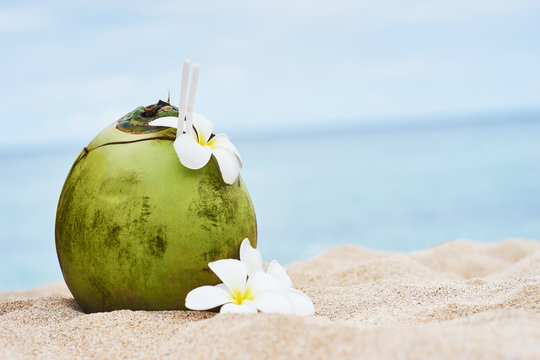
(238, 293)
(195, 148)
(195, 144)
(253, 260)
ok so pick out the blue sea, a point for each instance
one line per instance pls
(394, 187)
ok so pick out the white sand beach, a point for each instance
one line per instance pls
(460, 300)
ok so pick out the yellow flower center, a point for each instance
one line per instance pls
(210, 143)
(240, 296)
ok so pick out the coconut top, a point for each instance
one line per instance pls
(134, 126)
(195, 144)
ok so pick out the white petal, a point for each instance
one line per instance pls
(224, 287)
(250, 257)
(203, 126)
(222, 141)
(206, 297)
(228, 165)
(191, 154)
(278, 272)
(232, 272)
(170, 121)
(261, 282)
(273, 302)
(246, 307)
(301, 302)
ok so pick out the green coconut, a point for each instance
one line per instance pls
(135, 229)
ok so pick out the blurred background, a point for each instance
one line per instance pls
(386, 124)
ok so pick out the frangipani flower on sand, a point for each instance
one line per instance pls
(237, 293)
(195, 144)
(252, 259)
(247, 288)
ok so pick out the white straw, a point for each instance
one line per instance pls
(183, 96)
(191, 98)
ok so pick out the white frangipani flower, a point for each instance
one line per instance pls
(195, 144)
(260, 291)
(253, 261)
(195, 148)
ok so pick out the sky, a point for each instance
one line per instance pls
(69, 68)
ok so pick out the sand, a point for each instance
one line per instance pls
(460, 300)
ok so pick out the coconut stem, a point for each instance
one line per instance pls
(191, 99)
(183, 96)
